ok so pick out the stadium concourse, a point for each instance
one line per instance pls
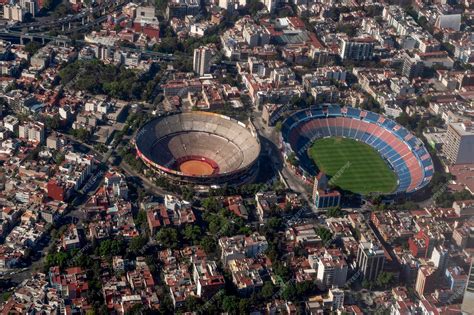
(200, 148)
(406, 155)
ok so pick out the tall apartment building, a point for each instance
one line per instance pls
(359, 48)
(270, 4)
(459, 144)
(426, 280)
(32, 132)
(332, 270)
(323, 196)
(182, 8)
(256, 35)
(207, 278)
(202, 60)
(13, 12)
(30, 6)
(337, 297)
(467, 306)
(440, 257)
(412, 66)
(231, 5)
(370, 260)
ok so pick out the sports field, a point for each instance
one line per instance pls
(353, 165)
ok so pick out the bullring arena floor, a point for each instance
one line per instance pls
(196, 168)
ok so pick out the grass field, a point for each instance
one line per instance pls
(353, 165)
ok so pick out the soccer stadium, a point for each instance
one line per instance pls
(200, 148)
(380, 151)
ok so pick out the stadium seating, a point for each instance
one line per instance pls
(405, 153)
(218, 139)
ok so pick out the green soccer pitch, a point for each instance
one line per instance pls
(353, 166)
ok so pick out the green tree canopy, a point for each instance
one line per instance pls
(168, 237)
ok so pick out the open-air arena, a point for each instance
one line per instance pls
(200, 148)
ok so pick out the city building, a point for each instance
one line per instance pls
(331, 268)
(13, 12)
(182, 8)
(412, 66)
(464, 208)
(337, 297)
(32, 131)
(467, 306)
(360, 48)
(323, 196)
(370, 260)
(440, 257)
(202, 60)
(207, 278)
(426, 280)
(459, 145)
(457, 279)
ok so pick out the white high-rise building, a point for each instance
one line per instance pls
(29, 6)
(360, 48)
(270, 4)
(439, 257)
(337, 297)
(202, 60)
(459, 144)
(331, 268)
(467, 306)
(32, 131)
(13, 12)
(370, 260)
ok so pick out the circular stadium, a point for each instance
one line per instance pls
(362, 150)
(200, 148)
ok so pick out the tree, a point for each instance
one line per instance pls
(136, 309)
(273, 225)
(161, 4)
(278, 126)
(244, 306)
(385, 280)
(304, 288)
(168, 237)
(324, 234)
(292, 159)
(282, 271)
(28, 17)
(57, 259)
(82, 134)
(347, 28)
(192, 233)
(141, 220)
(334, 212)
(253, 6)
(96, 77)
(208, 244)
(367, 284)
(108, 248)
(230, 304)
(32, 47)
(268, 290)
(211, 204)
(50, 4)
(192, 303)
(53, 122)
(62, 10)
(289, 292)
(137, 244)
